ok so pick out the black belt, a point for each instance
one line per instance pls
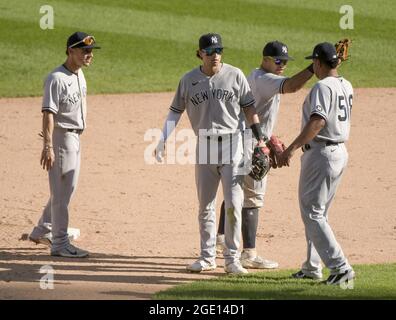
(219, 138)
(307, 146)
(78, 131)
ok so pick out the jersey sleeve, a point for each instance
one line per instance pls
(51, 95)
(320, 100)
(269, 85)
(246, 98)
(179, 101)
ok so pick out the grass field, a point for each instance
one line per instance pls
(147, 45)
(372, 282)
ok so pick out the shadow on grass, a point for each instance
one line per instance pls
(374, 282)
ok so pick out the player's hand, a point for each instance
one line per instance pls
(159, 151)
(261, 143)
(47, 158)
(284, 157)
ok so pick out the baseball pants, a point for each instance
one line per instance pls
(321, 171)
(63, 179)
(208, 177)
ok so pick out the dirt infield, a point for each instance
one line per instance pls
(139, 221)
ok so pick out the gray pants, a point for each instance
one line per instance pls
(208, 177)
(321, 170)
(63, 181)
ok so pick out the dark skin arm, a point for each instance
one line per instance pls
(310, 131)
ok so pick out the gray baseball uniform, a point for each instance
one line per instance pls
(322, 165)
(214, 107)
(267, 89)
(65, 97)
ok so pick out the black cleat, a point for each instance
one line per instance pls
(337, 279)
(301, 275)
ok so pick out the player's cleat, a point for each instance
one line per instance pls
(337, 279)
(257, 262)
(201, 265)
(301, 275)
(220, 244)
(70, 252)
(235, 268)
(45, 240)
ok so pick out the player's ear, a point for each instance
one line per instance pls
(198, 55)
(265, 60)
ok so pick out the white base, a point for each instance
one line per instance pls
(73, 233)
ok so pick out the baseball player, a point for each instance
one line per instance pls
(267, 84)
(215, 96)
(64, 120)
(325, 127)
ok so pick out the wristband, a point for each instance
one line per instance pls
(257, 132)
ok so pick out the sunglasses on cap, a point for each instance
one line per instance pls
(88, 40)
(278, 62)
(211, 51)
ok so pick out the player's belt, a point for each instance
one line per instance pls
(78, 131)
(219, 138)
(307, 146)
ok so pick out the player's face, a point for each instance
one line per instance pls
(211, 57)
(277, 66)
(82, 57)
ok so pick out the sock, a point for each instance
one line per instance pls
(249, 227)
(220, 230)
(250, 253)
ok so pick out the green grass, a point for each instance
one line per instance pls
(372, 282)
(147, 45)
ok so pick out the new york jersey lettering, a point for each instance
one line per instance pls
(218, 94)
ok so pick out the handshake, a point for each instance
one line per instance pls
(266, 157)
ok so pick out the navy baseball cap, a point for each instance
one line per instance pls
(277, 50)
(81, 40)
(324, 51)
(210, 40)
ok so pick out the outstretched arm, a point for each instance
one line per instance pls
(310, 131)
(297, 81)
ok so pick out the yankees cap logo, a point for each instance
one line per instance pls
(214, 39)
(284, 49)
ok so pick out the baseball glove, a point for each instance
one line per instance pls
(342, 48)
(276, 147)
(261, 163)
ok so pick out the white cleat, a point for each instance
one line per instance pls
(201, 265)
(235, 268)
(257, 262)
